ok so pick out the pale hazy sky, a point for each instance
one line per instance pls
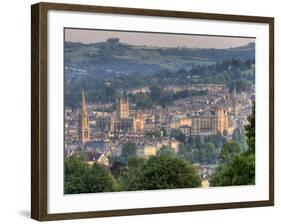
(155, 39)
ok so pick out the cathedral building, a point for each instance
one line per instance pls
(122, 121)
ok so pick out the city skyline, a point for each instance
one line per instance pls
(156, 39)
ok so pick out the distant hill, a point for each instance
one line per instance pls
(115, 58)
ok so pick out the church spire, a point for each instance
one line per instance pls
(234, 90)
(234, 99)
(83, 103)
(84, 121)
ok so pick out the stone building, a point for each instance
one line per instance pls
(210, 122)
(122, 108)
(138, 125)
(105, 123)
(151, 149)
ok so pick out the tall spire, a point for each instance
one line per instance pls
(84, 121)
(234, 90)
(83, 103)
(234, 99)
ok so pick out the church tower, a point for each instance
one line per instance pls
(122, 108)
(84, 122)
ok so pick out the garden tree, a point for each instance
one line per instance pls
(99, 179)
(135, 162)
(166, 150)
(128, 180)
(74, 169)
(82, 178)
(129, 149)
(155, 92)
(228, 152)
(218, 140)
(164, 172)
(185, 152)
(250, 131)
(117, 167)
(189, 150)
(197, 155)
(240, 172)
(142, 100)
(200, 155)
(206, 154)
(178, 135)
(239, 136)
(191, 154)
(210, 153)
(194, 142)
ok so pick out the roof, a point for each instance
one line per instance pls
(97, 145)
(93, 155)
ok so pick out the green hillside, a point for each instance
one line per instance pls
(107, 58)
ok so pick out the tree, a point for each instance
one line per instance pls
(143, 101)
(129, 179)
(74, 169)
(250, 131)
(166, 150)
(185, 152)
(194, 142)
(178, 135)
(129, 149)
(240, 172)
(228, 152)
(191, 149)
(155, 93)
(239, 136)
(218, 140)
(210, 153)
(164, 172)
(117, 168)
(99, 179)
(82, 178)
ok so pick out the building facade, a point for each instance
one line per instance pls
(210, 122)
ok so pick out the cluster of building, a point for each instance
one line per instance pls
(102, 134)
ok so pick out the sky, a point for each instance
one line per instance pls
(155, 39)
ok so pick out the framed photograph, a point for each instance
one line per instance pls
(139, 111)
